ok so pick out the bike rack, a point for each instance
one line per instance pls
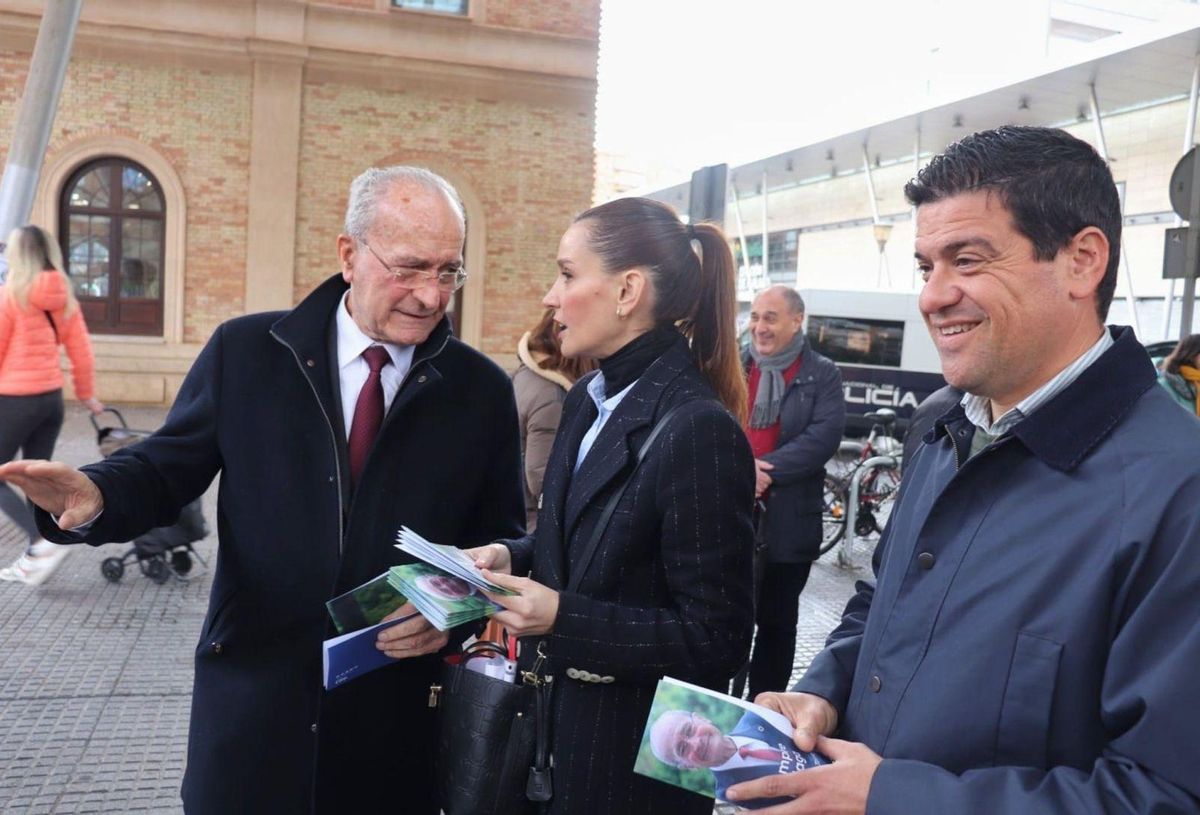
(875, 462)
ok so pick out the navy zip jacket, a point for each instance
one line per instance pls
(1031, 642)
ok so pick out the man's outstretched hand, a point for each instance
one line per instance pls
(63, 491)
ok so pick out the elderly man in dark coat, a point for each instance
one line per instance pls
(331, 425)
(797, 415)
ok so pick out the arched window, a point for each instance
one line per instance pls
(112, 215)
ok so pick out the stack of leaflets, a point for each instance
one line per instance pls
(358, 616)
(706, 742)
(449, 559)
(445, 600)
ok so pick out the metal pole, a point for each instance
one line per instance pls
(741, 231)
(1102, 148)
(1187, 303)
(874, 215)
(1189, 139)
(47, 69)
(765, 238)
(845, 557)
(912, 282)
(1191, 255)
(870, 185)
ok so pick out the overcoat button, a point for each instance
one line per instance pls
(217, 648)
(925, 560)
(420, 379)
(310, 363)
(875, 684)
(313, 728)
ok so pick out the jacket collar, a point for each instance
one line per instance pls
(1063, 431)
(304, 328)
(615, 448)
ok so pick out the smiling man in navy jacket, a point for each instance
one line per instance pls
(1030, 642)
(331, 425)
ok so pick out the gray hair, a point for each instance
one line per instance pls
(366, 190)
(794, 300)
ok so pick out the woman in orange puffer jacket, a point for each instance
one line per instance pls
(38, 312)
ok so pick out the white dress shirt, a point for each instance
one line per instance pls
(353, 369)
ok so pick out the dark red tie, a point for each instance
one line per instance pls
(368, 411)
(764, 753)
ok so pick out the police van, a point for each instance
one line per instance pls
(880, 343)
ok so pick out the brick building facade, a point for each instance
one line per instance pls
(249, 118)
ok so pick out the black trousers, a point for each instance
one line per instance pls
(776, 615)
(28, 425)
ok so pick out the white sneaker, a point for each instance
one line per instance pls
(33, 570)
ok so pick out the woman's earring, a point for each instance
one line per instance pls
(619, 314)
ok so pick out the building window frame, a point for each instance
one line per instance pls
(428, 7)
(62, 161)
(109, 312)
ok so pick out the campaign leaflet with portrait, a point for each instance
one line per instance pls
(706, 742)
(443, 599)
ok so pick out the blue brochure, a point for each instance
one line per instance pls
(352, 655)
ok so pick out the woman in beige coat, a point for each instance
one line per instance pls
(541, 383)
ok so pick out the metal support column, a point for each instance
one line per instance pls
(47, 69)
(1102, 148)
(1189, 139)
(741, 233)
(913, 210)
(875, 217)
(765, 238)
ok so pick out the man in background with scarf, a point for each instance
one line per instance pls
(797, 415)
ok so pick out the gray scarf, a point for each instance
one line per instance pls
(769, 396)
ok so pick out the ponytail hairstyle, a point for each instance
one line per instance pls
(30, 252)
(696, 293)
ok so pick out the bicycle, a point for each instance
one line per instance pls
(877, 484)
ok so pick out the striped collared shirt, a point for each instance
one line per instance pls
(979, 408)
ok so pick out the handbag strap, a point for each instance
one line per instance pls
(590, 550)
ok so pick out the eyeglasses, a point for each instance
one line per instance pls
(448, 280)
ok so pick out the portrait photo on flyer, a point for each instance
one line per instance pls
(706, 742)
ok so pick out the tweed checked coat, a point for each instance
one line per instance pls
(668, 591)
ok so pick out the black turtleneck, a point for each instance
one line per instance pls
(624, 366)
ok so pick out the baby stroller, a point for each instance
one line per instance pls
(166, 550)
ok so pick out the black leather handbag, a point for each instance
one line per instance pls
(493, 738)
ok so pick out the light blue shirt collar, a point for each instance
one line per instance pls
(604, 409)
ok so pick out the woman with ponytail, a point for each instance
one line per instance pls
(38, 312)
(660, 583)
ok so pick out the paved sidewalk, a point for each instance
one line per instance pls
(96, 677)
